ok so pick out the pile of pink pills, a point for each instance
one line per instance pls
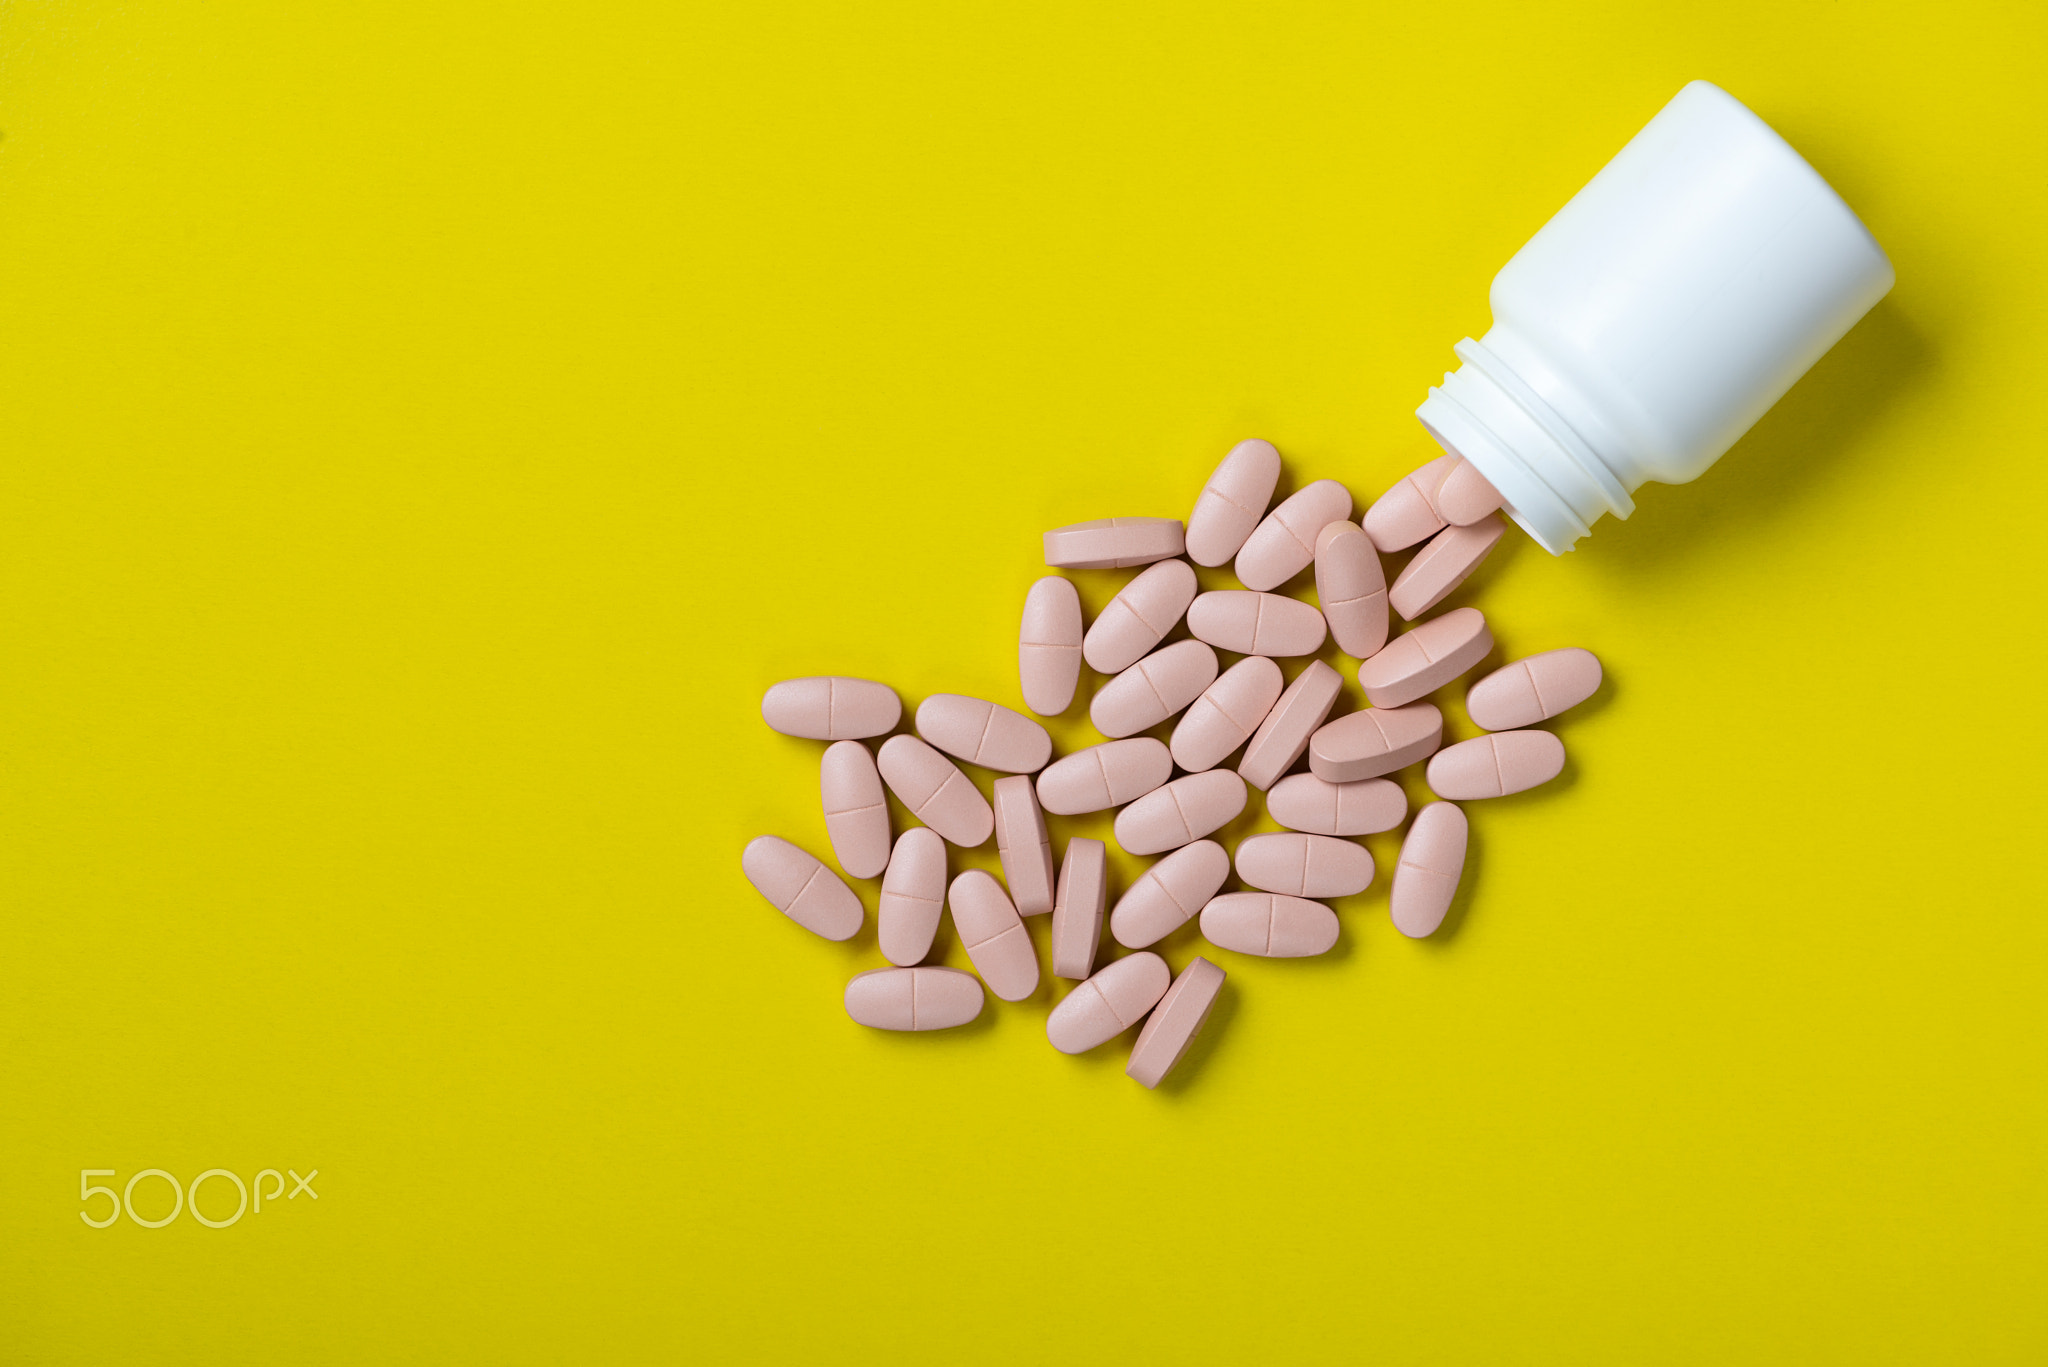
(1172, 794)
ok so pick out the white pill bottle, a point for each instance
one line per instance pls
(1655, 318)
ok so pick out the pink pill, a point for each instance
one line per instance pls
(1108, 1004)
(856, 812)
(913, 998)
(1077, 909)
(1269, 924)
(1175, 1022)
(1023, 846)
(831, 707)
(1138, 618)
(1184, 810)
(1426, 878)
(1169, 894)
(1256, 623)
(913, 895)
(801, 888)
(1351, 586)
(1304, 802)
(1226, 714)
(1232, 502)
(1049, 646)
(1285, 543)
(1113, 543)
(1377, 741)
(935, 790)
(984, 733)
(1407, 513)
(1465, 496)
(1104, 776)
(1304, 865)
(1496, 765)
(1438, 568)
(993, 935)
(1536, 688)
(1153, 689)
(1284, 734)
(1421, 661)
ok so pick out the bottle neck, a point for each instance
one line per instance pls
(1552, 482)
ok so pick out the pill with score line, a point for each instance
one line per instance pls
(913, 896)
(1169, 894)
(1256, 623)
(993, 935)
(1103, 776)
(1270, 925)
(1351, 588)
(1496, 765)
(1303, 865)
(1284, 544)
(1153, 689)
(1049, 641)
(913, 998)
(1184, 810)
(984, 733)
(1109, 1003)
(1232, 502)
(1226, 714)
(1422, 660)
(1532, 689)
(1139, 617)
(856, 812)
(831, 707)
(1440, 566)
(935, 790)
(797, 884)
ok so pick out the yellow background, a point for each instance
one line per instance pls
(428, 427)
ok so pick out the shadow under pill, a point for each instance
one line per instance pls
(1206, 1042)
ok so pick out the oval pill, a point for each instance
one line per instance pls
(1534, 688)
(1304, 865)
(993, 935)
(1049, 646)
(1153, 689)
(1184, 810)
(1256, 623)
(1431, 863)
(1232, 502)
(1421, 661)
(1109, 1003)
(984, 733)
(1023, 846)
(1169, 894)
(856, 812)
(1269, 924)
(1284, 734)
(1175, 1022)
(1304, 802)
(1226, 714)
(913, 998)
(935, 790)
(799, 886)
(1496, 765)
(1078, 907)
(1285, 542)
(1438, 568)
(913, 895)
(1113, 543)
(1351, 587)
(831, 707)
(1103, 776)
(1378, 740)
(1407, 513)
(1465, 496)
(1139, 617)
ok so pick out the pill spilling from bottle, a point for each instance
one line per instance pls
(1327, 780)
